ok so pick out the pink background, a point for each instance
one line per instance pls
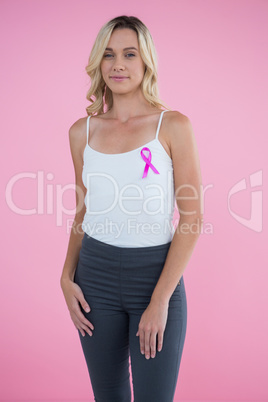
(213, 67)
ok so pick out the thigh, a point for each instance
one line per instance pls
(107, 355)
(107, 350)
(155, 379)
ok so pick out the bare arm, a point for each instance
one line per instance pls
(76, 235)
(187, 183)
(72, 292)
(188, 193)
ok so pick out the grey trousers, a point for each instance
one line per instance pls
(117, 283)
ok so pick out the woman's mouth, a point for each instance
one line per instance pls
(119, 79)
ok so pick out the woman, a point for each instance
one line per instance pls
(122, 278)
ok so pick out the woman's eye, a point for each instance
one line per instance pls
(128, 54)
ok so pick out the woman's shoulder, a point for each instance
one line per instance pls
(174, 117)
(77, 135)
(174, 123)
(78, 129)
(78, 124)
(177, 131)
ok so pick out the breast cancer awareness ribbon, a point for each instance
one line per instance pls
(148, 162)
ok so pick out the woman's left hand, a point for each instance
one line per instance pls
(153, 322)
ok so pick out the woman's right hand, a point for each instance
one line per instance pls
(73, 295)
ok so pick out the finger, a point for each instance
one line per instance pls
(83, 333)
(87, 330)
(147, 344)
(86, 322)
(159, 341)
(78, 327)
(153, 343)
(82, 318)
(81, 322)
(141, 341)
(83, 301)
(81, 327)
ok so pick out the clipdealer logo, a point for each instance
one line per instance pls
(256, 210)
(46, 196)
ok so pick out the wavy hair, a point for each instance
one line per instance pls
(99, 93)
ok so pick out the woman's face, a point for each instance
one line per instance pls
(122, 62)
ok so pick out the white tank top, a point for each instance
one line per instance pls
(130, 196)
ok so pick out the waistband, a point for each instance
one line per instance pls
(110, 248)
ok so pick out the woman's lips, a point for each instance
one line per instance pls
(119, 79)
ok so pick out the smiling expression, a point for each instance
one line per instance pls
(122, 66)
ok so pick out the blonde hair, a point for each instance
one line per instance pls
(98, 89)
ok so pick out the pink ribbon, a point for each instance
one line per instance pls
(148, 162)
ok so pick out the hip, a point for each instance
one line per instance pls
(125, 277)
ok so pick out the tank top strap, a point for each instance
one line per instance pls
(88, 127)
(159, 123)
